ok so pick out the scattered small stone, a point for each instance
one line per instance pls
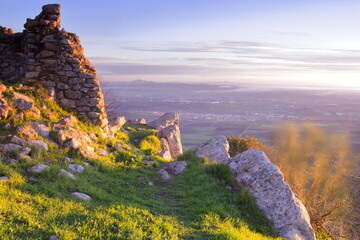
(23, 156)
(54, 237)
(140, 129)
(25, 151)
(81, 196)
(177, 167)
(38, 168)
(164, 174)
(118, 147)
(76, 168)
(67, 174)
(33, 178)
(4, 179)
(11, 161)
(86, 164)
(10, 147)
(41, 128)
(103, 152)
(39, 143)
(67, 159)
(150, 183)
(148, 162)
(7, 126)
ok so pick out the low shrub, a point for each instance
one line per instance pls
(151, 145)
(238, 145)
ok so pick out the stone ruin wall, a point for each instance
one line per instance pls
(54, 57)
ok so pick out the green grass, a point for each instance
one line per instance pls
(194, 205)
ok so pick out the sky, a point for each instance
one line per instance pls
(263, 42)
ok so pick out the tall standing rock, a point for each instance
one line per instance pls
(54, 57)
(253, 170)
(216, 149)
(169, 131)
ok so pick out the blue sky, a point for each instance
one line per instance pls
(277, 42)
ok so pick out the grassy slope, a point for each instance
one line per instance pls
(194, 205)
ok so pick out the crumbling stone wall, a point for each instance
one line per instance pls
(55, 58)
(11, 54)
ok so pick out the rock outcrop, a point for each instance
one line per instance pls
(116, 124)
(169, 131)
(46, 53)
(253, 170)
(216, 149)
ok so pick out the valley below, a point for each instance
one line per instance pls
(208, 110)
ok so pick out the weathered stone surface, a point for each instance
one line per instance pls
(39, 144)
(26, 132)
(116, 124)
(165, 120)
(172, 136)
(177, 167)
(4, 179)
(41, 128)
(81, 196)
(10, 147)
(76, 168)
(253, 170)
(164, 174)
(67, 174)
(103, 152)
(38, 168)
(22, 102)
(54, 237)
(165, 153)
(11, 161)
(25, 151)
(216, 149)
(4, 108)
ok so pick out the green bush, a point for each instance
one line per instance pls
(122, 136)
(151, 145)
(238, 145)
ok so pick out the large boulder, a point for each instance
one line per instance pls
(165, 153)
(254, 171)
(216, 149)
(172, 136)
(165, 120)
(116, 124)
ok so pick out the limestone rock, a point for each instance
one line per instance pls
(66, 122)
(11, 161)
(41, 128)
(25, 151)
(4, 179)
(26, 132)
(172, 136)
(81, 196)
(54, 237)
(253, 170)
(9, 147)
(103, 152)
(137, 121)
(116, 124)
(177, 167)
(67, 174)
(165, 120)
(76, 168)
(165, 153)
(4, 108)
(39, 144)
(22, 102)
(164, 174)
(38, 168)
(216, 149)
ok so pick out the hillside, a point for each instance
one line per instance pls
(129, 200)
